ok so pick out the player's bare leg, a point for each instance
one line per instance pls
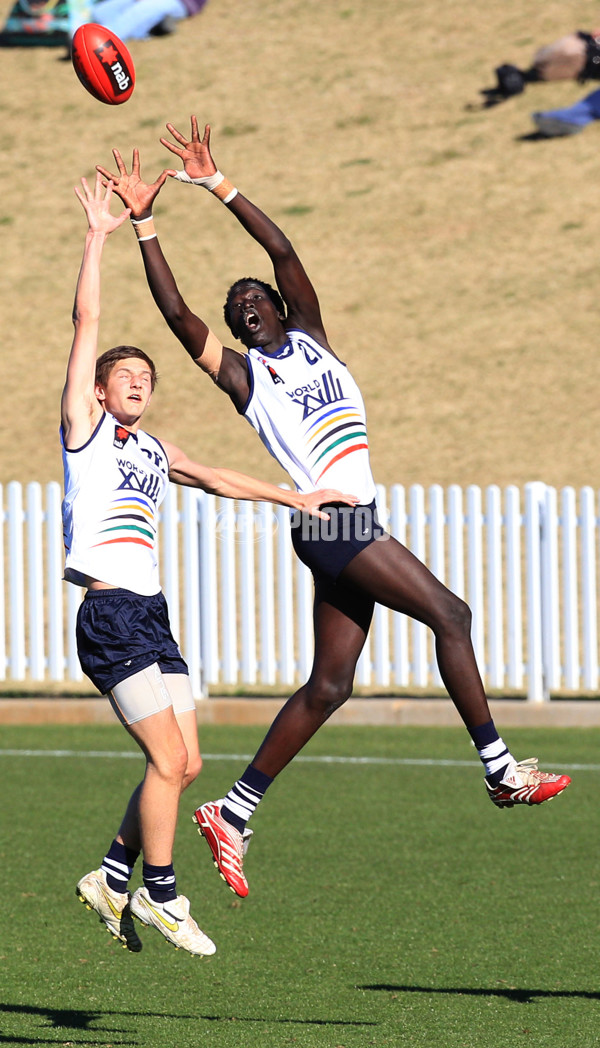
(169, 768)
(187, 722)
(152, 813)
(390, 574)
(341, 619)
(386, 572)
(188, 726)
(341, 625)
(149, 822)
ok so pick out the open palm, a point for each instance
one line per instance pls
(195, 153)
(130, 187)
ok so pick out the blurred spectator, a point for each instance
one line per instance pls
(568, 121)
(573, 57)
(45, 23)
(138, 19)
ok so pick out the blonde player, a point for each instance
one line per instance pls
(116, 476)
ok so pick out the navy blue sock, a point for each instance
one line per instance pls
(484, 734)
(244, 797)
(160, 882)
(118, 866)
(493, 751)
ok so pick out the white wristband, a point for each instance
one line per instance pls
(144, 234)
(210, 182)
(207, 181)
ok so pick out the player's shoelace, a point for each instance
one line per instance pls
(524, 783)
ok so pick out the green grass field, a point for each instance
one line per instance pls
(390, 904)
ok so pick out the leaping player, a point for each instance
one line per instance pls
(116, 477)
(308, 411)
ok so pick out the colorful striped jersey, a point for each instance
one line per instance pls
(114, 486)
(309, 413)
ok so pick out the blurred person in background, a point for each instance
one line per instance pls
(139, 19)
(575, 56)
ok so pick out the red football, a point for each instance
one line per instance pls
(103, 64)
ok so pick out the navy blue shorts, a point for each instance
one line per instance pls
(120, 633)
(327, 546)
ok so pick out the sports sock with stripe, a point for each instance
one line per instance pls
(244, 797)
(118, 866)
(493, 752)
(160, 882)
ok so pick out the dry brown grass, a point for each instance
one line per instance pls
(457, 265)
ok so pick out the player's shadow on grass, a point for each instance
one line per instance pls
(74, 1019)
(509, 993)
(537, 136)
(69, 1019)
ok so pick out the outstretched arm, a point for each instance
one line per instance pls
(294, 285)
(80, 410)
(233, 485)
(225, 366)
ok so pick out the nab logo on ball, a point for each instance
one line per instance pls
(115, 66)
(103, 64)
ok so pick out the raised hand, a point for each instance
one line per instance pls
(195, 154)
(136, 194)
(97, 207)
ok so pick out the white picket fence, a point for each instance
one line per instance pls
(241, 602)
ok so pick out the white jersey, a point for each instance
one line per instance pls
(114, 486)
(309, 413)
